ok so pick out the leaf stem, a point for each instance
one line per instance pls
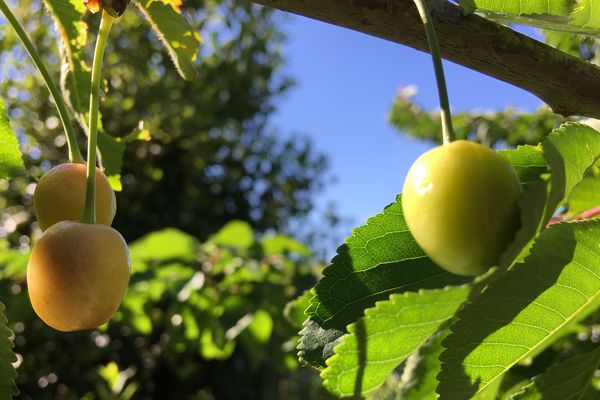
(74, 153)
(434, 48)
(89, 213)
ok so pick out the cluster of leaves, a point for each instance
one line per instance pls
(382, 300)
(194, 313)
(199, 153)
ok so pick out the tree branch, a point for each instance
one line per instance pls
(569, 85)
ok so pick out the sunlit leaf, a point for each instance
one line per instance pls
(557, 285)
(176, 34)
(386, 336)
(11, 159)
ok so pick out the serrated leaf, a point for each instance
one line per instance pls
(550, 7)
(528, 162)
(11, 159)
(386, 336)
(316, 344)
(568, 380)
(582, 16)
(569, 151)
(176, 34)
(557, 284)
(295, 310)
(7, 357)
(380, 258)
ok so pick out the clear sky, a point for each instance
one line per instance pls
(346, 85)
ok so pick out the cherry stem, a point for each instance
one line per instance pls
(89, 213)
(434, 48)
(74, 153)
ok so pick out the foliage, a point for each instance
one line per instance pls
(11, 163)
(485, 340)
(383, 320)
(196, 158)
(194, 313)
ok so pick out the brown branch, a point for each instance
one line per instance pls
(570, 86)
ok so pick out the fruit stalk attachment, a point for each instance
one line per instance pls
(74, 153)
(89, 213)
(434, 48)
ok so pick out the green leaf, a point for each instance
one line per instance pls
(236, 234)
(176, 34)
(11, 159)
(111, 154)
(586, 13)
(568, 380)
(570, 151)
(528, 162)
(316, 344)
(165, 245)
(7, 357)
(294, 311)
(581, 16)
(280, 244)
(557, 284)
(76, 72)
(585, 196)
(550, 7)
(386, 336)
(419, 377)
(379, 259)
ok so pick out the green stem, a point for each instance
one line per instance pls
(434, 48)
(89, 213)
(74, 153)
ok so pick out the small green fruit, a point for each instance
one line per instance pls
(460, 204)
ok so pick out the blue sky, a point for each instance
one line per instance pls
(346, 85)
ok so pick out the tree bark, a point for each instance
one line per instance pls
(569, 85)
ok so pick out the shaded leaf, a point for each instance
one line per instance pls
(528, 162)
(568, 380)
(558, 284)
(419, 377)
(386, 336)
(316, 344)
(7, 357)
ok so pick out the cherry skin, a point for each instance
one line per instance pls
(60, 196)
(460, 204)
(77, 275)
